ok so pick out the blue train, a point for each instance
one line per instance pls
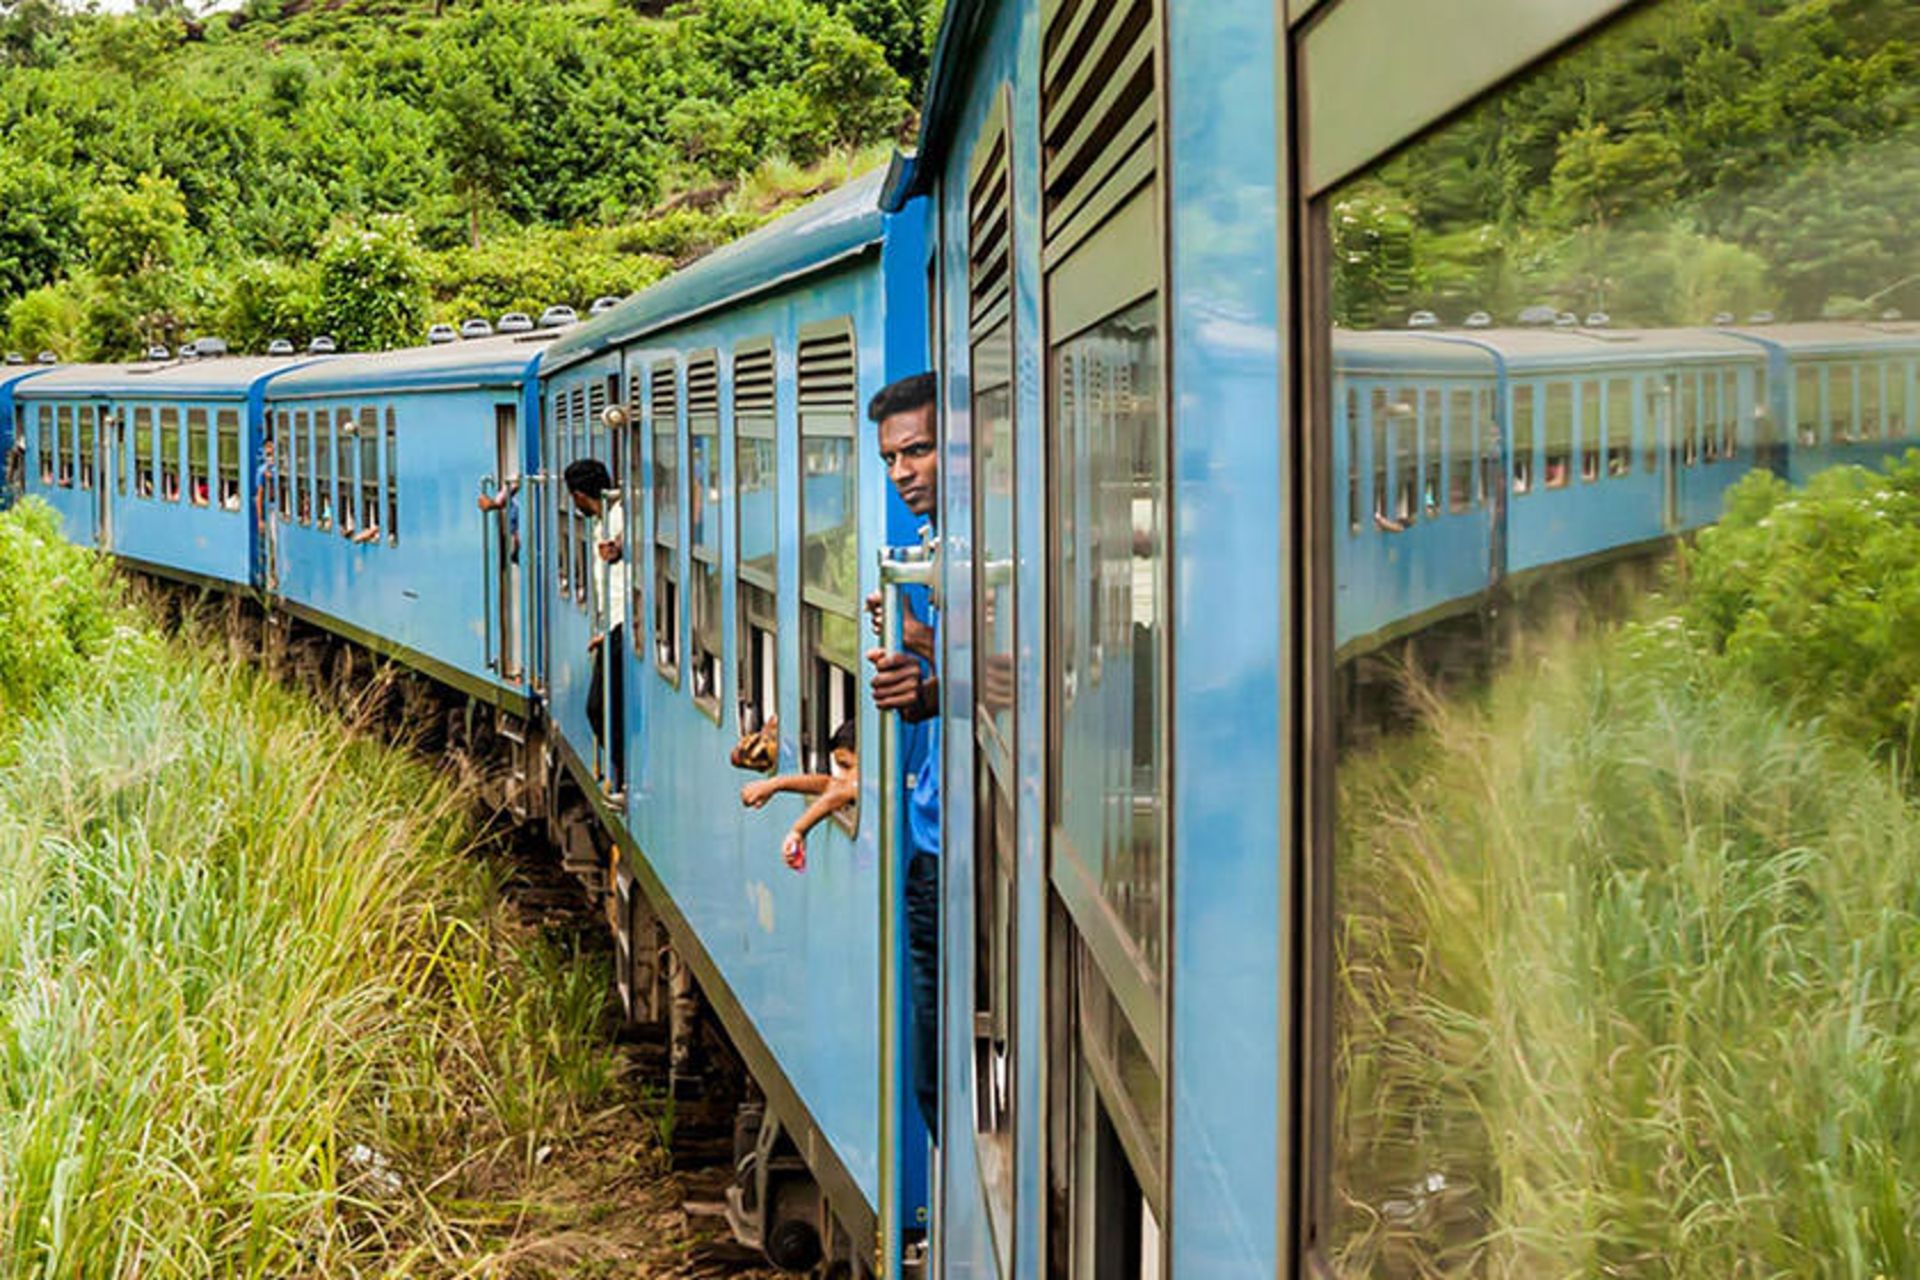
(1154, 451)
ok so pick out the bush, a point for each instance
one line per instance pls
(55, 608)
(1814, 596)
(372, 285)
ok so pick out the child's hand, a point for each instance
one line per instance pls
(794, 850)
(755, 794)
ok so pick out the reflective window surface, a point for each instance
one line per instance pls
(1625, 949)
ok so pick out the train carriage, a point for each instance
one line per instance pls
(154, 461)
(753, 505)
(11, 376)
(379, 460)
(1842, 393)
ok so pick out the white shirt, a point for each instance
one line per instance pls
(610, 524)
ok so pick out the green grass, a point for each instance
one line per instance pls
(1629, 979)
(262, 1011)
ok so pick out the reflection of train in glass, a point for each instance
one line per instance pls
(1464, 459)
(1174, 498)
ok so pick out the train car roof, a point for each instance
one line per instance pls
(1529, 350)
(209, 378)
(1817, 336)
(503, 360)
(839, 225)
(10, 374)
(1393, 351)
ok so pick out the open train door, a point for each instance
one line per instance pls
(505, 581)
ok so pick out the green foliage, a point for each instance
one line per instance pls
(55, 610)
(52, 318)
(372, 286)
(165, 167)
(1814, 596)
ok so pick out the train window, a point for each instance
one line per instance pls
(226, 425)
(64, 414)
(665, 404)
(829, 525)
(1377, 436)
(1462, 436)
(1350, 427)
(393, 479)
(172, 448)
(1591, 428)
(1619, 415)
(143, 451)
(1842, 381)
(1486, 477)
(756, 513)
(369, 435)
(557, 459)
(199, 458)
(307, 464)
(704, 516)
(1432, 449)
(44, 442)
(1809, 405)
(635, 487)
(122, 456)
(1403, 425)
(1558, 918)
(89, 446)
(345, 508)
(582, 448)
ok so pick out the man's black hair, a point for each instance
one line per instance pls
(588, 476)
(842, 739)
(920, 391)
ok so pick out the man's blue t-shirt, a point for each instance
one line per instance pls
(923, 757)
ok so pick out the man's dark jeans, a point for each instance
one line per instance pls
(610, 656)
(923, 963)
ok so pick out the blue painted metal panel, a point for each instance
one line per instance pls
(1230, 513)
(488, 362)
(9, 379)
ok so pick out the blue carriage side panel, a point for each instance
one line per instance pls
(13, 429)
(425, 419)
(1840, 393)
(797, 955)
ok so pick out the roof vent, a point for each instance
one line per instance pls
(189, 351)
(279, 347)
(441, 334)
(158, 352)
(605, 302)
(1598, 319)
(1722, 318)
(558, 317)
(322, 346)
(1566, 320)
(516, 322)
(1423, 320)
(46, 357)
(1538, 315)
(1760, 317)
(210, 346)
(1892, 313)
(476, 328)
(14, 357)
(1479, 320)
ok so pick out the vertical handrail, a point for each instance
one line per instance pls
(538, 587)
(899, 567)
(489, 581)
(603, 618)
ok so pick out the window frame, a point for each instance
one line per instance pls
(756, 593)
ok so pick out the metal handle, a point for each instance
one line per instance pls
(488, 580)
(603, 618)
(899, 567)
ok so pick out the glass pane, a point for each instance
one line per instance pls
(1626, 807)
(829, 571)
(666, 487)
(994, 536)
(343, 438)
(758, 509)
(65, 437)
(143, 449)
(228, 424)
(1107, 409)
(170, 450)
(89, 447)
(703, 494)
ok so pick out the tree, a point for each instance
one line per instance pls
(481, 142)
(373, 285)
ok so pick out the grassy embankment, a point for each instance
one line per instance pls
(1631, 943)
(262, 1012)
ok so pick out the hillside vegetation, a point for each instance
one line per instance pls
(366, 167)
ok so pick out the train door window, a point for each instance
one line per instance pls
(286, 463)
(1729, 413)
(345, 508)
(1432, 449)
(1809, 407)
(1350, 427)
(664, 402)
(143, 451)
(226, 424)
(704, 516)
(370, 494)
(393, 478)
(1897, 401)
(556, 447)
(1377, 437)
(172, 448)
(829, 530)
(1525, 432)
(1486, 477)
(1403, 428)
(1841, 385)
(1463, 434)
(89, 445)
(1591, 428)
(199, 459)
(64, 417)
(1619, 416)
(122, 454)
(756, 513)
(585, 562)
(636, 548)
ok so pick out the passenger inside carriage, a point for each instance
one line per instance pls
(908, 682)
(835, 791)
(598, 498)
